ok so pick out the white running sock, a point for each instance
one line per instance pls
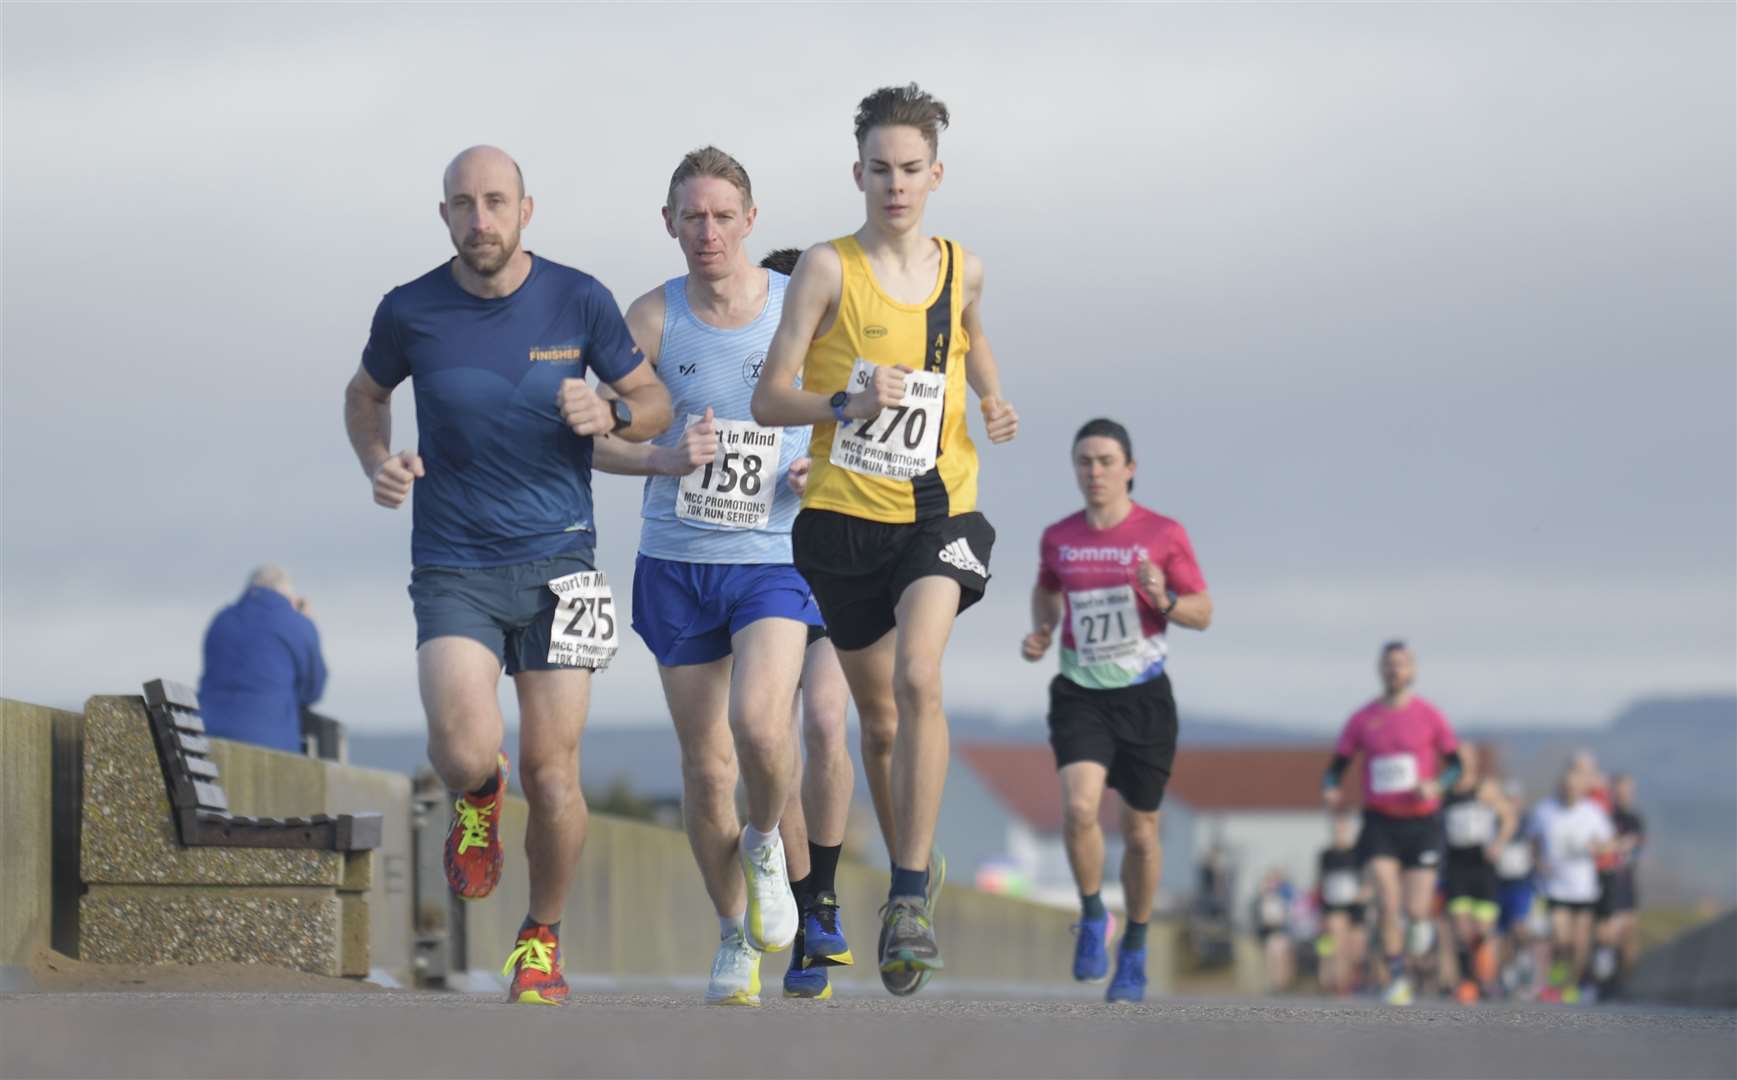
(753, 839)
(730, 924)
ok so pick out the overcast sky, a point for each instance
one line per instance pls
(1422, 317)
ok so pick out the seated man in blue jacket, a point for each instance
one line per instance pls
(262, 665)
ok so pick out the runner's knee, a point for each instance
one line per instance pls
(880, 727)
(463, 763)
(917, 686)
(708, 772)
(1079, 814)
(551, 786)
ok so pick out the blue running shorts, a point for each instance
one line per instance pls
(687, 612)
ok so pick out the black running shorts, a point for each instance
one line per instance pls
(1130, 731)
(1616, 893)
(1415, 841)
(859, 568)
(1469, 876)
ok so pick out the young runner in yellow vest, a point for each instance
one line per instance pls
(884, 329)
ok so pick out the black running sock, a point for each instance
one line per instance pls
(554, 927)
(803, 890)
(1092, 907)
(1134, 937)
(909, 882)
(493, 785)
(823, 863)
(1464, 954)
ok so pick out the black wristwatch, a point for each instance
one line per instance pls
(838, 402)
(1168, 608)
(623, 414)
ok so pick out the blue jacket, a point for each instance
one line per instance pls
(262, 667)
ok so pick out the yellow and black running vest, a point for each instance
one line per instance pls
(929, 336)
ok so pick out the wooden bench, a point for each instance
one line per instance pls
(197, 799)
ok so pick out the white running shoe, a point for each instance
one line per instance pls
(735, 973)
(772, 917)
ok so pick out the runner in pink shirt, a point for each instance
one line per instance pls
(1410, 756)
(1114, 577)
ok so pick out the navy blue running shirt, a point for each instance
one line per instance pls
(507, 481)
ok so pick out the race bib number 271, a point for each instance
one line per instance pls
(585, 628)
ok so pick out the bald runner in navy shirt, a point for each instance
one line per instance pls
(507, 481)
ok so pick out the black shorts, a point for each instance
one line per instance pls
(859, 568)
(1470, 877)
(1415, 841)
(1572, 906)
(816, 633)
(1131, 731)
(1355, 911)
(1616, 893)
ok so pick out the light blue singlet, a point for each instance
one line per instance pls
(703, 365)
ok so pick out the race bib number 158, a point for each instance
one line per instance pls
(584, 631)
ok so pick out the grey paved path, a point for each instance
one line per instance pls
(401, 1034)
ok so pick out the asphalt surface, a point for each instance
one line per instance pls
(407, 1034)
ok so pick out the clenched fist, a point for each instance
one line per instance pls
(583, 409)
(1036, 643)
(393, 478)
(797, 477)
(1152, 581)
(698, 446)
(885, 389)
(999, 419)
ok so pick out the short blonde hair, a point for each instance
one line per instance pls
(710, 161)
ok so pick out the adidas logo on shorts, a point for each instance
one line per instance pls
(959, 553)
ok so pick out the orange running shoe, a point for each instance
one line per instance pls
(473, 844)
(1467, 993)
(535, 965)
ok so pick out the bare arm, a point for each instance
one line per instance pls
(981, 370)
(810, 299)
(609, 452)
(368, 420)
(1193, 611)
(1507, 816)
(1046, 613)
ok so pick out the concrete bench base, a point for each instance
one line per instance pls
(309, 929)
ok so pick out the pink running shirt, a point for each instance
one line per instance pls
(1111, 636)
(1401, 748)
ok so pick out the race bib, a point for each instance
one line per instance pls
(1392, 774)
(903, 441)
(1515, 861)
(1272, 910)
(1469, 824)
(1106, 624)
(735, 490)
(583, 633)
(1339, 888)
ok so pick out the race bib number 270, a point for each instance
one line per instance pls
(585, 629)
(901, 441)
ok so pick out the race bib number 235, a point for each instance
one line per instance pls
(585, 628)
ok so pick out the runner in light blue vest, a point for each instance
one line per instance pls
(715, 595)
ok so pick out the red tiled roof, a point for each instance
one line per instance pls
(1213, 778)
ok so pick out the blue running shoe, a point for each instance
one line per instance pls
(1130, 981)
(823, 940)
(1091, 956)
(803, 980)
